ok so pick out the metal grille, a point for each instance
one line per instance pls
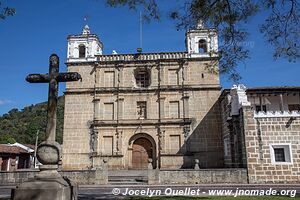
(142, 78)
(263, 107)
(279, 155)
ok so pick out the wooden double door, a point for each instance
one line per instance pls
(142, 150)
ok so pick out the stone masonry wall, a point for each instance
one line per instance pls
(226, 134)
(78, 116)
(81, 177)
(202, 176)
(108, 94)
(260, 134)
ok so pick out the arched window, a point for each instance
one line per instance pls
(202, 46)
(142, 78)
(81, 51)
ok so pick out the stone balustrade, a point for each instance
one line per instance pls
(142, 57)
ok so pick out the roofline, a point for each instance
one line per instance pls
(202, 30)
(273, 89)
(82, 36)
(155, 56)
(225, 92)
(143, 53)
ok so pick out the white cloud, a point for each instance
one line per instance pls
(4, 101)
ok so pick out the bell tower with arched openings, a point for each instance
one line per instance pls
(84, 47)
(202, 42)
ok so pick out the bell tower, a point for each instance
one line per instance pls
(84, 47)
(202, 42)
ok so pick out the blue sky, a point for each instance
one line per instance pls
(40, 28)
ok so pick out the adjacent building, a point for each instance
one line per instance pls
(261, 132)
(15, 156)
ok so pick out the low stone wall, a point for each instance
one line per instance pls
(12, 178)
(100, 176)
(82, 177)
(197, 176)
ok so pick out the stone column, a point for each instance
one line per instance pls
(99, 78)
(260, 103)
(119, 142)
(153, 174)
(120, 76)
(162, 141)
(96, 109)
(101, 174)
(94, 141)
(162, 107)
(120, 108)
(185, 99)
(281, 106)
(196, 164)
(161, 72)
(150, 166)
(249, 131)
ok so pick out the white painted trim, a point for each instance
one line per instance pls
(287, 153)
(28, 149)
(270, 114)
(8, 165)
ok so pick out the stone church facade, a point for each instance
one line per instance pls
(136, 109)
(166, 111)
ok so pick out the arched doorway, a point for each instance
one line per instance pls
(142, 150)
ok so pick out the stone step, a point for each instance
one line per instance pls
(127, 177)
(127, 180)
(127, 183)
(128, 173)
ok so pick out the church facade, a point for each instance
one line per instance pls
(166, 111)
(144, 108)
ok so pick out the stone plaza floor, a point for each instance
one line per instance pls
(209, 191)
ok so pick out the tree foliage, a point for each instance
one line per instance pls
(7, 139)
(6, 11)
(281, 28)
(151, 9)
(21, 126)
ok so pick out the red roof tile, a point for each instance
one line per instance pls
(11, 149)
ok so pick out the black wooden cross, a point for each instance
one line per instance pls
(53, 78)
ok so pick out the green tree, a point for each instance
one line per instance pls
(22, 125)
(7, 139)
(281, 28)
(6, 11)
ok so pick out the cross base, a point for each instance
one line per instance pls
(55, 188)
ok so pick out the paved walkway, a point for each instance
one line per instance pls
(93, 192)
